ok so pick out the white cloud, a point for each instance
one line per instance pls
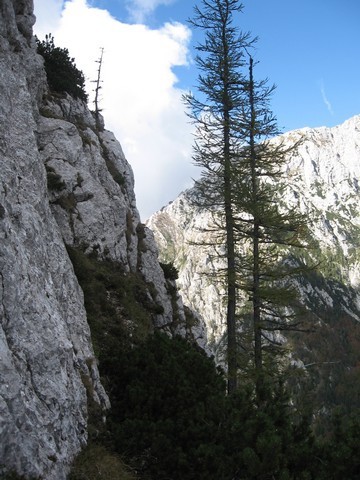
(48, 15)
(140, 100)
(325, 99)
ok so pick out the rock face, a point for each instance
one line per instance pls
(63, 181)
(45, 347)
(323, 181)
(178, 228)
(91, 193)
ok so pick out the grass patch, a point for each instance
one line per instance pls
(96, 462)
(119, 304)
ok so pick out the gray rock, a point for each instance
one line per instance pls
(46, 357)
(95, 206)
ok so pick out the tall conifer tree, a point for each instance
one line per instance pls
(220, 83)
(241, 184)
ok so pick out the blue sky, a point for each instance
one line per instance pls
(309, 49)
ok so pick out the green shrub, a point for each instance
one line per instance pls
(341, 450)
(54, 180)
(167, 403)
(170, 271)
(61, 71)
(171, 419)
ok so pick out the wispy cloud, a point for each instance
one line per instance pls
(140, 9)
(325, 98)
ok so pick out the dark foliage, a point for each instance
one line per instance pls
(54, 180)
(167, 404)
(170, 271)
(61, 71)
(341, 451)
(170, 416)
(172, 419)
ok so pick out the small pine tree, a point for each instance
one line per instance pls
(342, 450)
(170, 271)
(61, 71)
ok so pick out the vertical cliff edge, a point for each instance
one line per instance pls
(64, 183)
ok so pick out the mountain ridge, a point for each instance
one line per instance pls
(322, 182)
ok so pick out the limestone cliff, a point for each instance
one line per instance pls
(64, 181)
(45, 345)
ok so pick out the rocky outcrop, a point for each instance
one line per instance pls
(91, 193)
(64, 181)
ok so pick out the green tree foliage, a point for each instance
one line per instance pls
(340, 452)
(170, 416)
(167, 401)
(268, 442)
(269, 231)
(61, 71)
(172, 419)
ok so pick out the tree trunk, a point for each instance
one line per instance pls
(256, 297)
(231, 286)
(229, 228)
